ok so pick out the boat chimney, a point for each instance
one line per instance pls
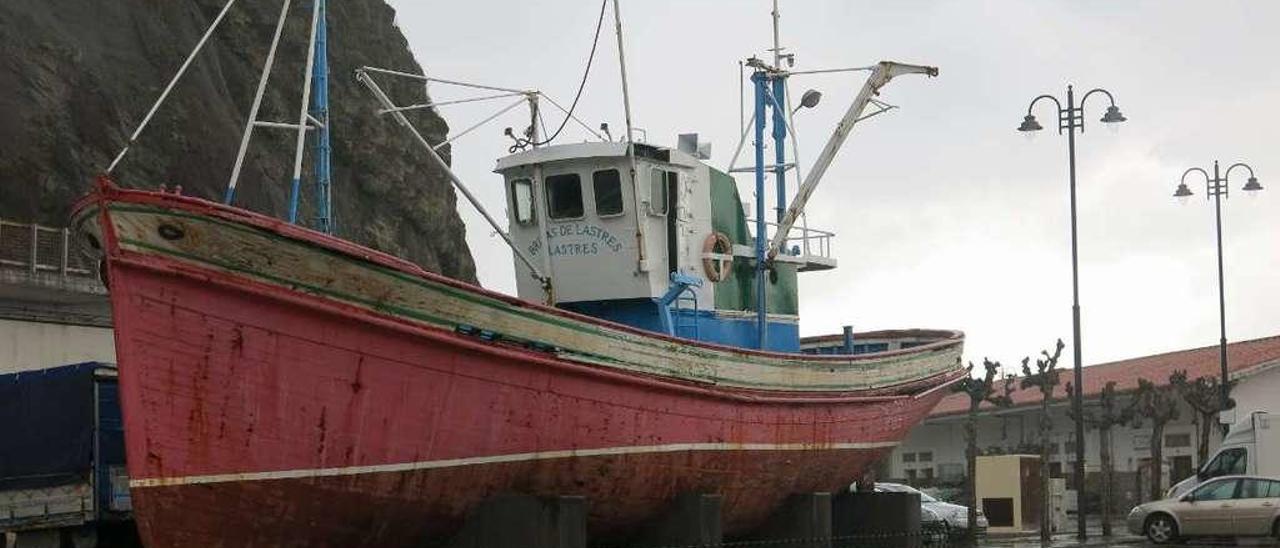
(848, 339)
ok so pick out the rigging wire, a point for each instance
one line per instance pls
(521, 144)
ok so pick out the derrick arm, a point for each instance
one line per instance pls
(880, 75)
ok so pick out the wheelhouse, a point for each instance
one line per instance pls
(668, 250)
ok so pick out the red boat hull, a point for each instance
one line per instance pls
(260, 416)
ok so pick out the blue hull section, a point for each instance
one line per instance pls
(703, 325)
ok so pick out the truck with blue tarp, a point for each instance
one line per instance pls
(62, 464)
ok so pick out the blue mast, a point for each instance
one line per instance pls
(779, 144)
(764, 78)
(320, 111)
(762, 327)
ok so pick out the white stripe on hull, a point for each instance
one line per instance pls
(495, 459)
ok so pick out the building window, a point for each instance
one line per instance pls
(1181, 467)
(908, 457)
(522, 200)
(911, 476)
(564, 196)
(1177, 440)
(1055, 469)
(951, 471)
(926, 474)
(608, 188)
(925, 456)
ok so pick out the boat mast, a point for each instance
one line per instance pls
(642, 260)
(303, 126)
(313, 116)
(257, 103)
(320, 117)
(779, 122)
(770, 83)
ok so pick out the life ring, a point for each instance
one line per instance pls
(717, 268)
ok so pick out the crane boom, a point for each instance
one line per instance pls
(880, 75)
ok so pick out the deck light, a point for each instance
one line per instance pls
(1252, 186)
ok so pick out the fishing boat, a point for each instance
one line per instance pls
(283, 386)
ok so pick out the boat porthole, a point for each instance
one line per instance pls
(170, 232)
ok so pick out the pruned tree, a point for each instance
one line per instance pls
(1108, 414)
(1045, 379)
(980, 390)
(1204, 396)
(1159, 405)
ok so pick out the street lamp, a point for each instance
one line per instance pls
(1071, 119)
(1216, 188)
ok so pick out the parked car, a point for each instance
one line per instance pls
(954, 517)
(1227, 506)
(1252, 447)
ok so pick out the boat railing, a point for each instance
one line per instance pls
(41, 249)
(802, 239)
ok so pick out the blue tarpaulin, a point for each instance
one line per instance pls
(47, 426)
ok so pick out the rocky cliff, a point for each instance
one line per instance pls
(76, 76)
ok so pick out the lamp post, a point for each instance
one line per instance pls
(1071, 119)
(1216, 188)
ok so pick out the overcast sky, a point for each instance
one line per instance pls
(946, 216)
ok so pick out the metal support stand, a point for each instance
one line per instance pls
(692, 520)
(526, 521)
(804, 521)
(878, 519)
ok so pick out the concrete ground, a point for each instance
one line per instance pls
(1120, 538)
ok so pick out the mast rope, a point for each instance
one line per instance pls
(521, 144)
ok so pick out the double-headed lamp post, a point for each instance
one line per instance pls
(1216, 188)
(1071, 119)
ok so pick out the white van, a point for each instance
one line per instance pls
(1252, 447)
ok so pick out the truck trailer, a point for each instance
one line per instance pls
(62, 464)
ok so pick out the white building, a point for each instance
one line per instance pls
(53, 309)
(933, 453)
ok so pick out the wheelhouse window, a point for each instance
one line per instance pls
(522, 200)
(658, 190)
(607, 184)
(564, 196)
